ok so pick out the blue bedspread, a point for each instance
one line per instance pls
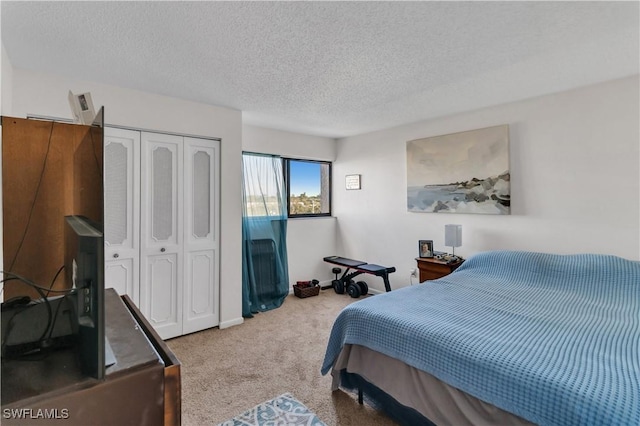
(554, 339)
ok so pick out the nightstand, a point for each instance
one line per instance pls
(432, 268)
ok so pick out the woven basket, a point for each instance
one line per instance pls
(303, 292)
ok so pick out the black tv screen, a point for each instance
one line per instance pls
(84, 266)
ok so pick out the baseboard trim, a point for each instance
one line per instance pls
(230, 323)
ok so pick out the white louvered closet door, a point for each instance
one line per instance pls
(122, 211)
(161, 295)
(201, 234)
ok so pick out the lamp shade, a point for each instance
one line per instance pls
(453, 235)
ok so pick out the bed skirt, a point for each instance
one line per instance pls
(411, 396)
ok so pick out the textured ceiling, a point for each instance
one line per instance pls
(330, 68)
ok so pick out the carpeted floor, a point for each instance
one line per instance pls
(225, 372)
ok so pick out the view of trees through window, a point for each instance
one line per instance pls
(263, 206)
(309, 185)
(307, 182)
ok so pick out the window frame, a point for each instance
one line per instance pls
(287, 174)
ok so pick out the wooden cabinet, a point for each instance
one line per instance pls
(432, 269)
(49, 170)
(141, 388)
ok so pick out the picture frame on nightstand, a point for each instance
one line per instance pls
(425, 248)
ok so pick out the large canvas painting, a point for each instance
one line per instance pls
(466, 172)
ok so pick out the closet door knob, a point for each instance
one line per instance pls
(163, 249)
(116, 255)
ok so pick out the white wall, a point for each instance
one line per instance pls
(575, 167)
(575, 170)
(6, 85)
(308, 239)
(46, 95)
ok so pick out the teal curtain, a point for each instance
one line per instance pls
(265, 272)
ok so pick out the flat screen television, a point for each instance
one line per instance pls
(84, 267)
(84, 251)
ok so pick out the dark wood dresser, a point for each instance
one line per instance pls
(141, 388)
(432, 269)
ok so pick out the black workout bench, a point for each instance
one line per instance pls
(355, 289)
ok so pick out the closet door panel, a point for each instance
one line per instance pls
(122, 211)
(201, 234)
(120, 276)
(162, 273)
(161, 232)
(200, 295)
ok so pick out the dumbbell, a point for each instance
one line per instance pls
(338, 286)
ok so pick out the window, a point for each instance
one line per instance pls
(263, 186)
(308, 187)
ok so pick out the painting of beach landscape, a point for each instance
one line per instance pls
(466, 172)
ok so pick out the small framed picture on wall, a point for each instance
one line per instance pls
(425, 248)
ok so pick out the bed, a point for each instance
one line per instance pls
(508, 338)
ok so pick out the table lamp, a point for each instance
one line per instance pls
(453, 236)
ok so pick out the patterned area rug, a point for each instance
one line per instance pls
(284, 410)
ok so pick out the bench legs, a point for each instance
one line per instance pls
(347, 277)
(387, 285)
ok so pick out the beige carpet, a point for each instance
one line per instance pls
(225, 372)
